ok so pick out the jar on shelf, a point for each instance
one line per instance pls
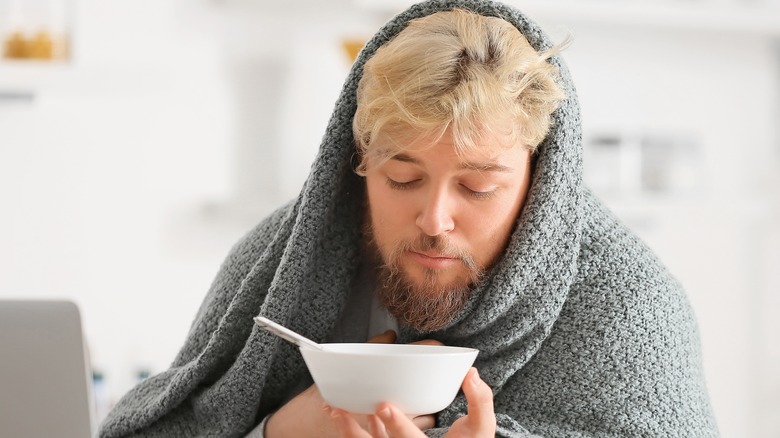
(35, 29)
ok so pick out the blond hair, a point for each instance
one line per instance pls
(454, 70)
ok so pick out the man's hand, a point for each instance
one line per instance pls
(303, 416)
(389, 422)
(308, 415)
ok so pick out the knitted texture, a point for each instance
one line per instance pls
(581, 331)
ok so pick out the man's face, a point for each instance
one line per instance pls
(439, 221)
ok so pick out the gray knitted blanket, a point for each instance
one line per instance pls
(581, 331)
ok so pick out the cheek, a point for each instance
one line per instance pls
(385, 209)
(491, 227)
(496, 215)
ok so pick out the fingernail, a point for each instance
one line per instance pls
(475, 378)
(385, 414)
(334, 413)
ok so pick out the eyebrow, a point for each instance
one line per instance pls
(477, 166)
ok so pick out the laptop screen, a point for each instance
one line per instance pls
(45, 379)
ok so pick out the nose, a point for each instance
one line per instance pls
(436, 216)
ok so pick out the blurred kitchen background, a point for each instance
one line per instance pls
(139, 139)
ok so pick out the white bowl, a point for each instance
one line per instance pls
(417, 379)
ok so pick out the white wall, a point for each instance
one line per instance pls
(180, 124)
(94, 171)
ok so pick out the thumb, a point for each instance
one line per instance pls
(387, 337)
(480, 403)
(427, 342)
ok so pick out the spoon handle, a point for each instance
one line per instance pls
(286, 334)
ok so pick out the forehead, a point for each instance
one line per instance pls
(491, 146)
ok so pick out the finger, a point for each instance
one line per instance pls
(396, 423)
(427, 342)
(346, 426)
(424, 421)
(480, 400)
(376, 427)
(387, 337)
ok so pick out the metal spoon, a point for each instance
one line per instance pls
(286, 334)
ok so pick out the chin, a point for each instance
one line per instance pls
(435, 280)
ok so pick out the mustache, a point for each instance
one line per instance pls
(439, 244)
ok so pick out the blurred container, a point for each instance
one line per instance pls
(35, 29)
(101, 397)
(603, 163)
(671, 162)
(631, 161)
(352, 47)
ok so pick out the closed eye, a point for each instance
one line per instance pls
(398, 185)
(487, 194)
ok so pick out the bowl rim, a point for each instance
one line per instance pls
(456, 351)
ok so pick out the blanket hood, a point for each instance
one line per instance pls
(540, 262)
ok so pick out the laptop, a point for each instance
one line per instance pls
(45, 378)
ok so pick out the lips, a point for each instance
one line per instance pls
(433, 255)
(432, 260)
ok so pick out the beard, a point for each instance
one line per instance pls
(431, 304)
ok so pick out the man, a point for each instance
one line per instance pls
(446, 202)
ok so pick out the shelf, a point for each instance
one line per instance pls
(23, 78)
(644, 207)
(721, 16)
(28, 76)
